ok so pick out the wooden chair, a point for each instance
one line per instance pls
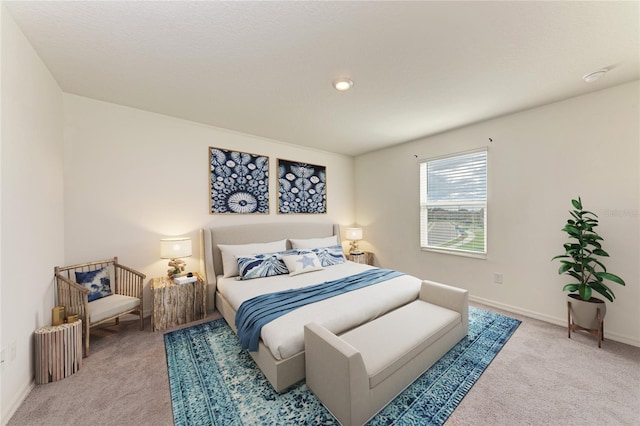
(126, 286)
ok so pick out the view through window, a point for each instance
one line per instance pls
(453, 203)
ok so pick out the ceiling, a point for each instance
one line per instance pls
(266, 68)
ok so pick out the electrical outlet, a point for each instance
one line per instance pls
(13, 350)
(497, 277)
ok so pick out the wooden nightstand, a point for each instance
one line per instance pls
(175, 304)
(366, 258)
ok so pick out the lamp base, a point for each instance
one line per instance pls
(354, 248)
(176, 265)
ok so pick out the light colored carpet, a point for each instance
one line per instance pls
(535, 380)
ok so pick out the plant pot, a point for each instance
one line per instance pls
(584, 312)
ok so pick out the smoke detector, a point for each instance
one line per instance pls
(596, 75)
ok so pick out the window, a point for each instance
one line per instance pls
(453, 203)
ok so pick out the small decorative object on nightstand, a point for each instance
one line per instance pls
(365, 257)
(175, 249)
(175, 304)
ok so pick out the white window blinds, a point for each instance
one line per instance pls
(453, 203)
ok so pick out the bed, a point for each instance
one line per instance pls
(280, 351)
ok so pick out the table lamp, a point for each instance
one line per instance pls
(354, 235)
(175, 249)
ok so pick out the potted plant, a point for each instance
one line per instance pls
(581, 261)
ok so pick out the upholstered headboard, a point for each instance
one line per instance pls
(253, 233)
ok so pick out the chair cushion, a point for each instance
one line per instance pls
(97, 282)
(111, 306)
(390, 341)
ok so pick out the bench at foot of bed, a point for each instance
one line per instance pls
(359, 372)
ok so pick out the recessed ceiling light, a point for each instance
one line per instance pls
(596, 75)
(343, 84)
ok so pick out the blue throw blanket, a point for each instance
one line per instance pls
(260, 310)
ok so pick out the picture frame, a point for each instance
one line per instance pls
(238, 182)
(302, 188)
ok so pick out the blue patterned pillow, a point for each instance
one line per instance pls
(328, 256)
(263, 265)
(98, 282)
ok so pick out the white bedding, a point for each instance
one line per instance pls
(284, 336)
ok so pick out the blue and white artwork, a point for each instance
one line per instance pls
(239, 182)
(302, 188)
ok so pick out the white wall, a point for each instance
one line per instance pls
(539, 159)
(32, 206)
(133, 177)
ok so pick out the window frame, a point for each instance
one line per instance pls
(425, 205)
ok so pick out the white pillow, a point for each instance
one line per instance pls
(302, 263)
(230, 251)
(311, 243)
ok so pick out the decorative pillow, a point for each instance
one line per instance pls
(311, 243)
(229, 253)
(98, 282)
(302, 263)
(262, 265)
(328, 255)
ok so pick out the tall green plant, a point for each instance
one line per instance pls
(580, 259)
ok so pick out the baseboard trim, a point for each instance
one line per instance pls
(550, 319)
(6, 416)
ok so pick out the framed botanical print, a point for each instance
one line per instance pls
(238, 182)
(302, 188)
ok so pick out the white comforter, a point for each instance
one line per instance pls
(284, 336)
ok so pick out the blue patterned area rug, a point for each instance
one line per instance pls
(214, 382)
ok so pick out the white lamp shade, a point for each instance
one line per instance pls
(354, 234)
(173, 248)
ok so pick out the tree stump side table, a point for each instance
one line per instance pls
(175, 304)
(366, 257)
(58, 351)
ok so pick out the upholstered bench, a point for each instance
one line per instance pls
(359, 372)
